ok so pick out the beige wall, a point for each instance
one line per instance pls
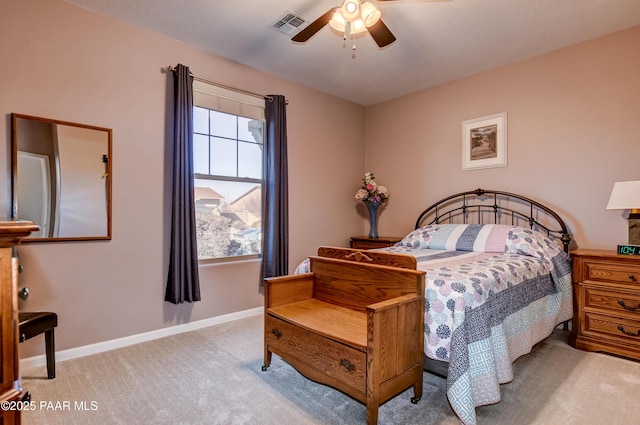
(573, 118)
(66, 63)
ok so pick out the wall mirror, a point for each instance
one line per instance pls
(61, 178)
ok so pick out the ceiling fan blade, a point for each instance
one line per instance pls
(314, 27)
(381, 34)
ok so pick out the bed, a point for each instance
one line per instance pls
(498, 282)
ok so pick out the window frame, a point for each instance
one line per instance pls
(214, 177)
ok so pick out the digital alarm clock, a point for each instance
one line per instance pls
(629, 249)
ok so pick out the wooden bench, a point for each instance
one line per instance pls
(350, 324)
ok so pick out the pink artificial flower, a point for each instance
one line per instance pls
(370, 193)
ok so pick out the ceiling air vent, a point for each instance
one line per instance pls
(290, 23)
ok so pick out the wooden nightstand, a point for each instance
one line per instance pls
(365, 242)
(606, 312)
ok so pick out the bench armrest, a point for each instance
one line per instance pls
(395, 336)
(288, 289)
(393, 302)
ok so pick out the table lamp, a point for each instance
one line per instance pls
(626, 196)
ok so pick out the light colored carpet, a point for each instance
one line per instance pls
(213, 376)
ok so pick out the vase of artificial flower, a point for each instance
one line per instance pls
(372, 195)
(373, 220)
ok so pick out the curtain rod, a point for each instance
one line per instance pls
(204, 80)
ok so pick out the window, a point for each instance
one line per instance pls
(227, 156)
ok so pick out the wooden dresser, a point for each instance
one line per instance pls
(365, 242)
(606, 315)
(11, 232)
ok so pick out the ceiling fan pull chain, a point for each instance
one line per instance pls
(353, 49)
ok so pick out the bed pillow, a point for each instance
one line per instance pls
(532, 243)
(481, 238)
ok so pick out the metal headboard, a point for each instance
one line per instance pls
(464, 205)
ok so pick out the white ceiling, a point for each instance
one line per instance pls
(436, 41)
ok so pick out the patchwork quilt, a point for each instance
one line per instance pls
(492, 292)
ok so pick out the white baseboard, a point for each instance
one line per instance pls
(86, 350)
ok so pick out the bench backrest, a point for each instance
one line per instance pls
(372, 257)
(356, 285)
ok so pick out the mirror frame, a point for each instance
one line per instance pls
(15, 183)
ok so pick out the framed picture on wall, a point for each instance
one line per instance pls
(484, 142)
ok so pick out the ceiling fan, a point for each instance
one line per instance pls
(352, 17)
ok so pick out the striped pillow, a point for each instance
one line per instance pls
(460, 237)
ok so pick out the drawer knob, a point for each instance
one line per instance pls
(621, 329)
(628, 307)
(276, 333)
(347, 365)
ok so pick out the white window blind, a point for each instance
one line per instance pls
(229, 101)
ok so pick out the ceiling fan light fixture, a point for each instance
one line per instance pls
(370, 15)
(358, 26)
(345, 26)
(338, 22)
(352, 17)
(350, 10)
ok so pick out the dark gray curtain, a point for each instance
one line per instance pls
(275, 218)
(183, 283)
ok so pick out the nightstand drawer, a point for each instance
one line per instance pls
(615, 301)
(368, 245)
(606, 314)
(622, 330)
(607, 272)
(365, 242)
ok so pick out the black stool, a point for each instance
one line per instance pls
(32, 324)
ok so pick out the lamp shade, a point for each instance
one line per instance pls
(625, 196)
(338, 22)
(350, 9)
(370, 15)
